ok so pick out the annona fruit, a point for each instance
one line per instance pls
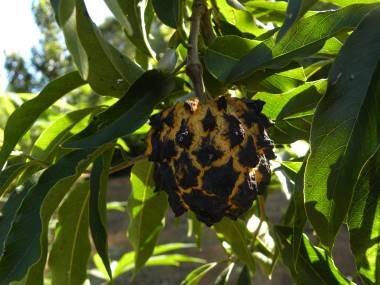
(211, 158)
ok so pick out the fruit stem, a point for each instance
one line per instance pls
(194, 66)
(126, 164)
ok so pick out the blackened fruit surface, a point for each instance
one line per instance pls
(211, 158)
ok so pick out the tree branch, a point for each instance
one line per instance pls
(194, 66)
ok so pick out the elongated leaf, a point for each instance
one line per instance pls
(167, 11)
(296, 9)
(53, 135)
(244, 277)
(8, 213)
(197, 274)
(220, 58)
(304, 38)
(27, 239)
(364, 221)
(107, 70)
(237, 236)
(344, 3)
(128, 114)
(146, 210)
(314, 266)
(23, 118)
(136, 17)
(224, 276)
(9, 174)
(98, 206)
(71, 249)
(344, 122)
(159, 249)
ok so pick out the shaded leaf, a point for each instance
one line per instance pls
(296, 9)
(237, 236)
(23, 117)
(313, 265)
(244, 277)
(304, 38)
(146, 210)
(167, 11)
(71, 249)
(364, 221)
(343, 123)
(98, 206)
(107, 70)
(135, 16)
(126, 115)
(224, 276)
(197, 274)
(27, 239)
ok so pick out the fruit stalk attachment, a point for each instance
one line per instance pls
(194, 66)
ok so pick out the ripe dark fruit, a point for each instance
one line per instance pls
(212, 158)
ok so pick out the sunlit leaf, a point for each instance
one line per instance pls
(197, 274)
(343, 124)
(71, 248)
(147, 211)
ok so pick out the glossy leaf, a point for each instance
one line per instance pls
(244, 277)
(304, 38)
(364, 221)
(136, 17)
(126, 115)
(146, 210)
(197, 274)
(23, 118)
(167, 11)
(57, 132)
(313, 266)
(225, 275)
(220, 58)
(296, 9)
(27, 239)
(107, 70)
(8, 212)
(98, 206)
(343, 122)
(71, 248)
(236, 235)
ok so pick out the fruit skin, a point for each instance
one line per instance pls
(212, 158)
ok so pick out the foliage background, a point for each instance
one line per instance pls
(315, 63)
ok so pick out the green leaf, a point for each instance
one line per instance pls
(236, 235)
(304, 38)
(300, 218)
(126, 115)
(107, 70)
(364, 221)
(146, 210)
(224, 276)
(289, 130)
(167, 11)
(23, 118)
(220, 58)
(344, 122)
(71, 248)
(291, 168)
(8, 212)
(9, 174)
(135, 16)
(344, 3)
(296, 9)
(197, 274)
(172, 260)
(27, 239)
(98, 206)
(170, 247)
(244, 277)
(314, 266)
(57, 132)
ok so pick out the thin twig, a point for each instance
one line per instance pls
(194, 66)
(126, 164)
